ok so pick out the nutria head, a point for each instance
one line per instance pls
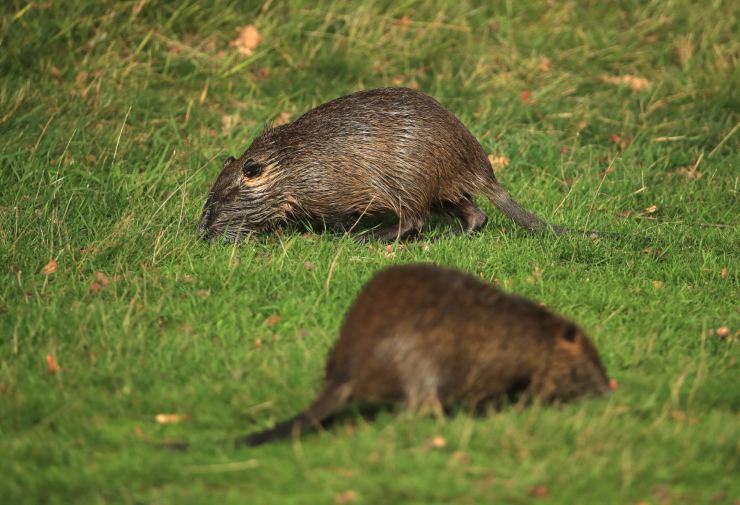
(573, 368)
(240, 202)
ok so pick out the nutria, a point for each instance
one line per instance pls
(376, 152)
(431, 338)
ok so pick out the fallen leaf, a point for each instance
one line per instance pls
(348, 496)
(247, 40)
(273, 320)
(525, 97)
(264, 72)
(658, 285)
(622, 142)
(723, 273)
(228, 121)
(54, 72)
(50, 267)
(96, 287)
(51, 364)
(679, 415)
(498, 162)
(81, 77)
(258, 342)
(283, 118)
(460, 457)
(651, 209)
(138, 431)
(536, 276)
(613, 384)
(308, 265)
(170, 418)
(723, 332)
(404, 21)
(631, 81)
(436, 442)
(544, 64)
(690, 173)
(102, 279)
(539, 491)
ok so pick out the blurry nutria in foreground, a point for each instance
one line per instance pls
(430, 337)
(376, 152)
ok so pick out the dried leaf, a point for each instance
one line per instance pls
(283, 118)
(54, 72)
(308, 265)
(96, 287)
(498, 162)
(171, 418)
(723, 273)
(723, 332)
(404, 21)
(228, 121)
(651, 209)
(247, 40)
(273, 320)
(613, 384)
(539, 491)
(544, 64)
(348, 496)
(81, 78)
(258, 342)
(437, 442)
(460, 457)
(525, 97)
(51, 364)
(631, 81)
(102, 279)
(50, 267)
(690, 173)
(658, 285)
(621, 141)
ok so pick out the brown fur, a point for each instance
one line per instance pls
(430, 337)
(376, 152)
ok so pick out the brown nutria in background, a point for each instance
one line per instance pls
(431, 337)
(376, 152)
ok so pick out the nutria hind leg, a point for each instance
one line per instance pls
(472, 218)
(406, 227)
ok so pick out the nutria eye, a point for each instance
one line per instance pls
(251, 168)
(228, 160)
(570, 333)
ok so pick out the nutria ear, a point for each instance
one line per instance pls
(570, 333)
(251, 168)
(228, 160)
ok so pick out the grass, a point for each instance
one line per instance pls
(113, 119)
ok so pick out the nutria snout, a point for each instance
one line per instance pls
(389, 151)
(429, 337)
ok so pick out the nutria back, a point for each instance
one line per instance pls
(375, 152)
(428, 337)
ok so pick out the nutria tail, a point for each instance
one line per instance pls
(521, 216)
(331, 398)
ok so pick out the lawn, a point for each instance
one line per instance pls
(114, 119)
